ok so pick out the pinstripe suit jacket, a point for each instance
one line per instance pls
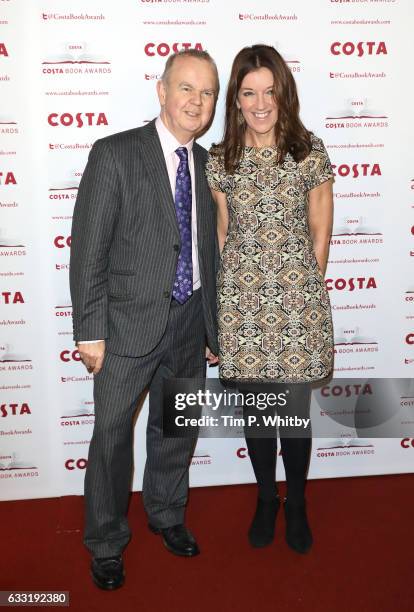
(126, 241)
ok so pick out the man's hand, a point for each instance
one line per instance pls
(211, 358)
(92, 355)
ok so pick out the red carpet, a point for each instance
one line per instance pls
(362, 559)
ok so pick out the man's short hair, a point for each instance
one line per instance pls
(198, 54)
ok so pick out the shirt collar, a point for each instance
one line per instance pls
(169, 143)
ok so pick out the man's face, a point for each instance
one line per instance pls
(188, 97)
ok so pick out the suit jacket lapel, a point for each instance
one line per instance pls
(153, 157)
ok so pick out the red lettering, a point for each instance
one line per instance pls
(66, 119)
(71, 464)
(15, 298)
(348, 48)
(147, 49)
(334, 48)
(382, 48)
(8, 179)
(102, 120)
(163, 49)
(67, 356)
(60, 241)
(52, 119)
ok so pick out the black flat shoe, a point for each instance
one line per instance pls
(178, 540)
(298, 533)
(108, 572)
(262, 529)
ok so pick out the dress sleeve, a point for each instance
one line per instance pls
(316, 167)
(215, 171)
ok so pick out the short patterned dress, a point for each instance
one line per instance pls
(274, 314)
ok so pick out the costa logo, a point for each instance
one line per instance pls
(351, 283)
(80, 119)
(409, 338)
(7, 178)
(346, 390)
(14, 409)
(412, 230)
(63, 313)
(10, 297)
(163, 49)
(73, 464)
(3, 50)
(357, 170)
(359, 48)
(407, 442)
(64, 196)
(67, 355)
(61, 242)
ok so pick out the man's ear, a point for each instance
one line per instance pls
(161, 92)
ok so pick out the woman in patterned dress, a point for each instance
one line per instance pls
(272, 182)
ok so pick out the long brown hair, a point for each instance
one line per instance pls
(290, 133)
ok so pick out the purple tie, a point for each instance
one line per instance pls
(183, 284)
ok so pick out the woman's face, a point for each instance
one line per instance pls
(257, 102)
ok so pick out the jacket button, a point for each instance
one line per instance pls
(176, 247)
(166, 294)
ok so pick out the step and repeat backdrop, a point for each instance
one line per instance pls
(73, 72)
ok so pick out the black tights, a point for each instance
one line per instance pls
(295, 451)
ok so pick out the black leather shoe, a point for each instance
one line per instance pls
(108, 572)
(298, 533)
(262, 529)
(178, 540)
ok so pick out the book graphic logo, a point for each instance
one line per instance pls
(351, 226)
(350, 337)
(7, 120)
(357, 108)
(346, 443)
(8, 355)
(75, 53)
(85, 408)
(14, 462)
(7, 241)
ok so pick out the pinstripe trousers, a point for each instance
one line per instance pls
(117, 389)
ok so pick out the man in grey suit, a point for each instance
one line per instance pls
(142, 276)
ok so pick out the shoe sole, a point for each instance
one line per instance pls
(103, 587)
(157, 531)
